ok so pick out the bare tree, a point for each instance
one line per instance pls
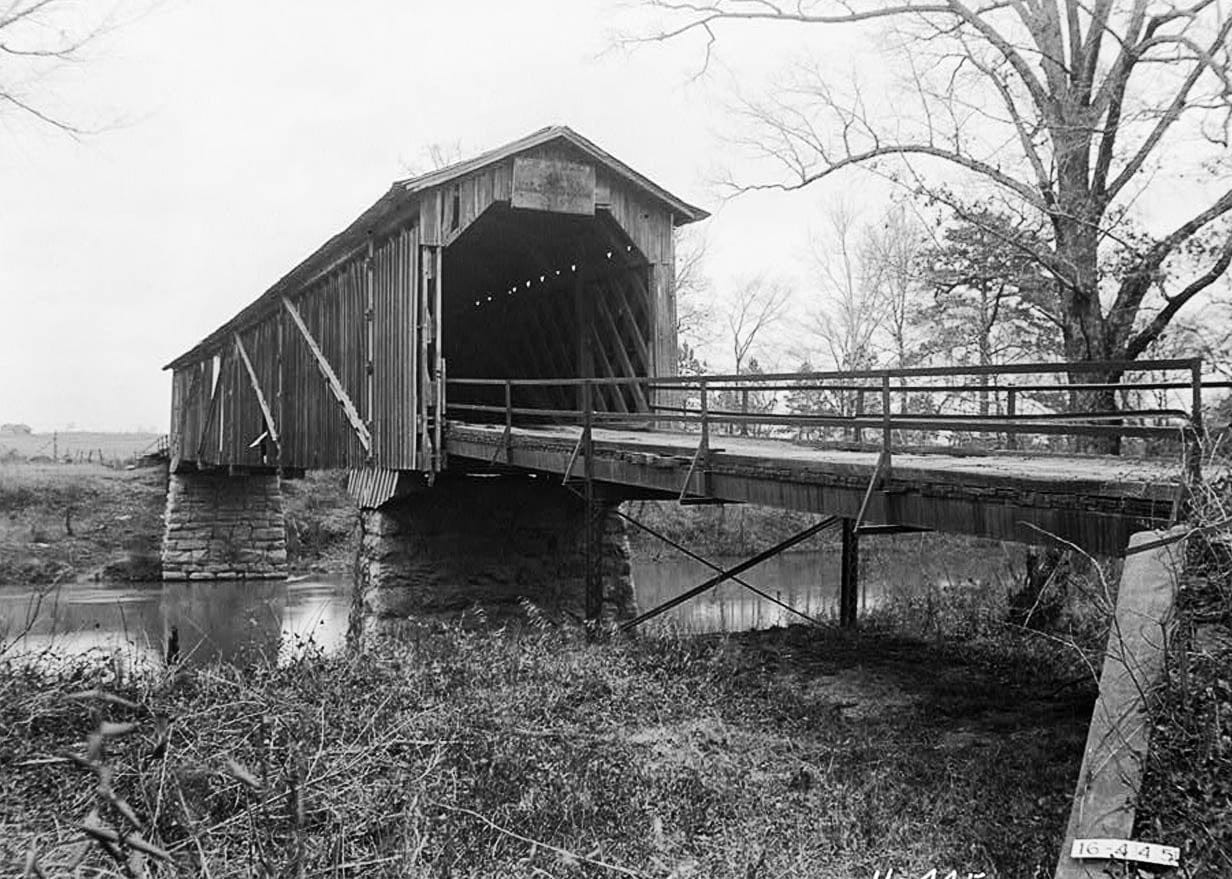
(694, 309)
(755, 305)
(1066, 109)
(36, 38)
(434, 157)
(895, 245)
(851, 312)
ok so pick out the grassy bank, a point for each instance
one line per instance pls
(536, 754)
(62, 523)
(68, 523)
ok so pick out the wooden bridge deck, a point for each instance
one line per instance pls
(1092, 501)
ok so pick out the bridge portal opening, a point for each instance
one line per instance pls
(535, 294)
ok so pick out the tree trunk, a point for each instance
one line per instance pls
(1038, 602)
(1083, 326)
(1102, 401)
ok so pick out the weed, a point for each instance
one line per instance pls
(479, 753)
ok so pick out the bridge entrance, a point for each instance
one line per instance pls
(539, 295)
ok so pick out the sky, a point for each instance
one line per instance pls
(236, 137)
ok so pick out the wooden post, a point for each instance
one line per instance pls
(849, 582)
(887, 435)
(423, 328)
(705, 402)
(859, 414)
(1011, 411)
(1194, 451)
(1195, 377)
(508, 419)
(593, 554)
(438, 459)
(585, 357)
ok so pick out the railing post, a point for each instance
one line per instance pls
(887, 434)
(1011, 411)
(1195, 376)
(744, 410)
(593, 560)
(508, 419)
(1197, 431)
(859, 414)
(705, 417)
(441, 405)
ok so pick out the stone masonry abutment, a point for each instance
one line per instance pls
(491, 542)
(221, 527)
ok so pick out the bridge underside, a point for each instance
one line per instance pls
(1093, 503)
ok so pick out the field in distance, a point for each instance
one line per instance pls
(17, 446)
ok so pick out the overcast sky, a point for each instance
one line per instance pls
(238, 135)
(243, 134)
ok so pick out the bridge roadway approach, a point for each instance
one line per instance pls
(1094, 502)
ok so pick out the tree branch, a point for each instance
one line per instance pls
(1171, 114)
(1137, 281)
(1152, 330)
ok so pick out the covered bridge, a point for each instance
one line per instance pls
(546, 257)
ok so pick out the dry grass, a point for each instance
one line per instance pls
(1187, 789)
(536, 754)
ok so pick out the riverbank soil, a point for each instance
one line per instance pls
(793, 752)
(69, 522)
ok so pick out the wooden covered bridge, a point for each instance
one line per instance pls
(490, 350)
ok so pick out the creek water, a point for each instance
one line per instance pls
(240, 621)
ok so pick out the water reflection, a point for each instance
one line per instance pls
(236, 621)
(807, 582)
(891, 566)
(243, 622)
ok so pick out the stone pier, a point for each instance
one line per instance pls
(220, 527)
(491, 542)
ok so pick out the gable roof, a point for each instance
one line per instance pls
(402, 193)
(684, 212)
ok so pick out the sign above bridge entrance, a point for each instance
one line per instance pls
(553, 185)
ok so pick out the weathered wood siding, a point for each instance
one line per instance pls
(219, 426)
(395, 270)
